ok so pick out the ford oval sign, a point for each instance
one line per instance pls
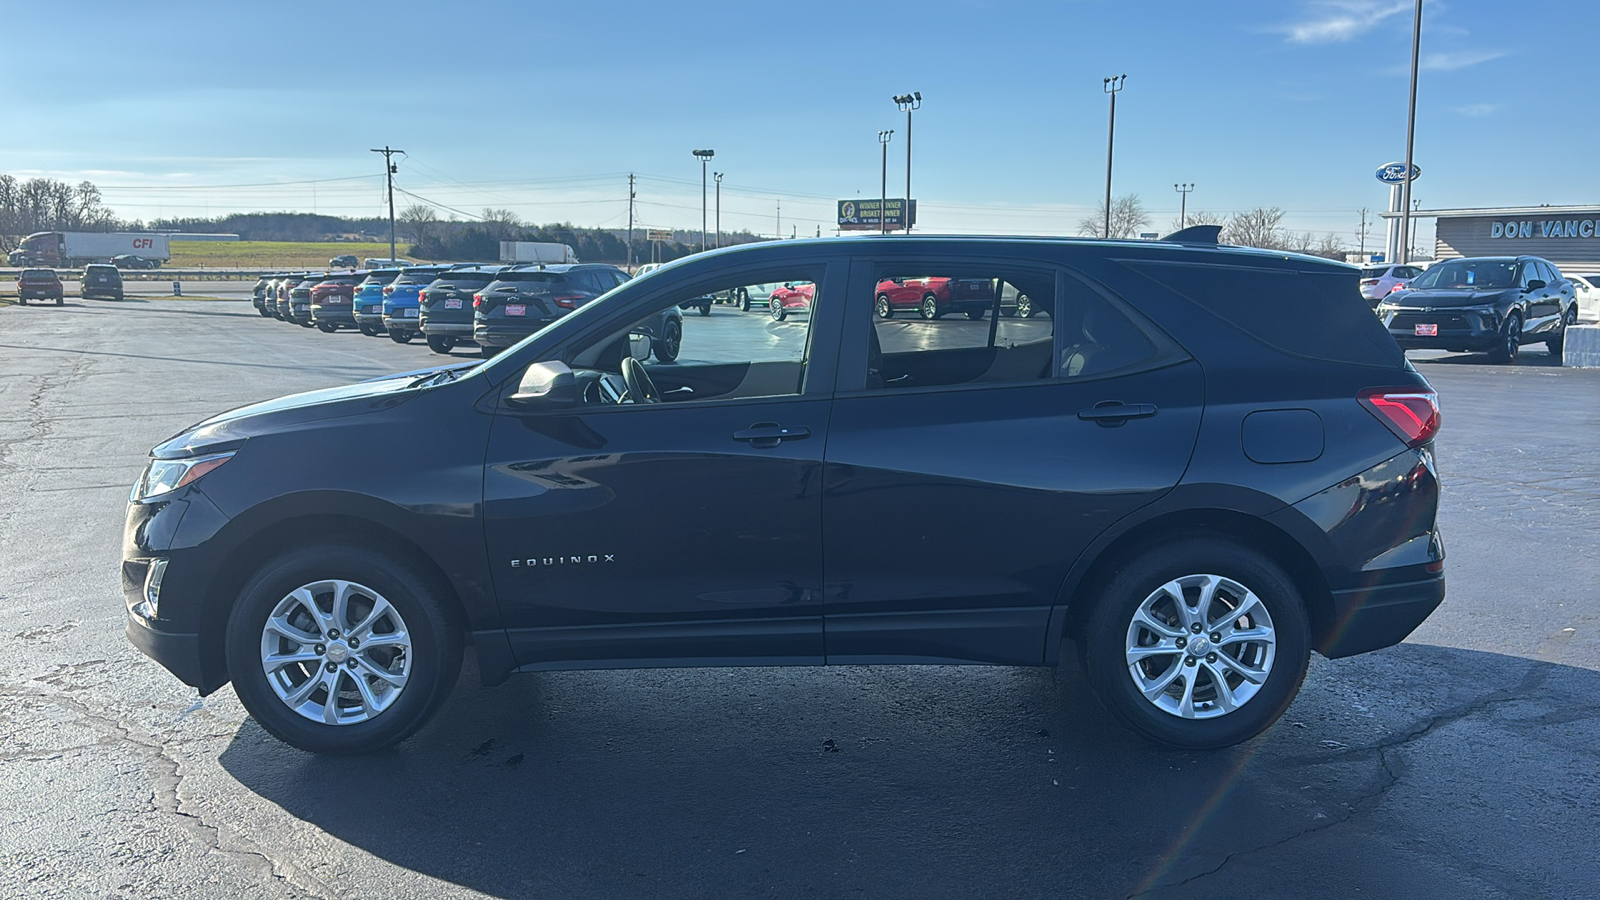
(1395, 173)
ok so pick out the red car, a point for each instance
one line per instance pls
(39, 284)
(792, 298)
(331, 304)
(933, 297)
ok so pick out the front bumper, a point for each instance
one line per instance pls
(177, 652)
(1371, 618)
(1458, 329)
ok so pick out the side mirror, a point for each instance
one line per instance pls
(1534, 285)
(639, 345)
(546, 384)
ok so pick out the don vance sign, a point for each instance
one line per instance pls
(1551, 228)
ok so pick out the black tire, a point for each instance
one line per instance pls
(778, 312)
(975, 314)
(327, 327)
(60, 300)
(306, 324)
(22, 301)
(265, 313)
(418, 598)
(883, 307)
(705, 309)
(666, 350)
(368, 330)
(400, 337)
(1510, 340)
(744, 300)
(441, 343)
(930, 307)
(1555, 344)
(1104, 637)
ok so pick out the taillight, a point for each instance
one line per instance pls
(477, 299)
(387, 291)
(567, 301)
(1412, 414)
(1368, 282)
(1398, 286)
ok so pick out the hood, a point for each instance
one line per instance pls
(1447, 298)
(230, 429)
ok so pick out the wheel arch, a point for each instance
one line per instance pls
(1247, 528)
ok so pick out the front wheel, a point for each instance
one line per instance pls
(1510, 341)
(974, 314)
(882, 307)
(1567, 321)
(1024, 306)
(1200, 644)
(744, 300)
(441, 343)
(778, 312)
(342, 649)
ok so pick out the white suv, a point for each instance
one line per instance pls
(1377, 282)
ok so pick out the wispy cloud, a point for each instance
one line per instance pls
(1451, 60)
(1478, 109)
(1335, 21)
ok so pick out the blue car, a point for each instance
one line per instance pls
(400, 302)
(367, 302)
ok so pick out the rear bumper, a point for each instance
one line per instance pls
(500, 336)
(458, 329)
(338, 315)
(401, 323)
(1375, 617)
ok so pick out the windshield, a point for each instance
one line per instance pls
(463, 280)
(1468, 274)
(543, 278)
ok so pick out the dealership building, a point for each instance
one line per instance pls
(1568, 236)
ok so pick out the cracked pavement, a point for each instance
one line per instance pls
(1462, 763)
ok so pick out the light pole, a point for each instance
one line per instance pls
(883, 194)
(1411, 131)
(1183, 204)
(908, 103)
(718, 176)
(704, 156)
(1112, 86)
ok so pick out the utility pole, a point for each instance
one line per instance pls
(719, 208)
(704, 156)
(1112, 86)
(883, 195)
(1413, 245)
(1183, 204)
(908, 102)
(1411, 133)
(631, 196)
(388, 172)
(779, 233)
(1363, 234)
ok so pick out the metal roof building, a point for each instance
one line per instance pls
(1568, 236)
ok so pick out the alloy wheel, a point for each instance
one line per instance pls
(1200, 646)
(336, 652)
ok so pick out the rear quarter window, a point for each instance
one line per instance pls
(1318, 315)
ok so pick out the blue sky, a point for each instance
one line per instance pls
(185, 108)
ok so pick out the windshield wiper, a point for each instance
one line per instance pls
(444, 376)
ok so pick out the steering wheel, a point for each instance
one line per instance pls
(640, 388)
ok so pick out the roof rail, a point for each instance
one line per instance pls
(1196, 234)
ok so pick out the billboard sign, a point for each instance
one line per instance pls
(863, 215)
(658, 234)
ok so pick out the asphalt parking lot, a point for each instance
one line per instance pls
(1462, 763)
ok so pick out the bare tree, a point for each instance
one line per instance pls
(1259, 227)
(419, 222)
(1197, 217)
(1128, 218)
(502, 224)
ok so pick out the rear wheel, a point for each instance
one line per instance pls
(974, 314)
(705, 309)
(265, 313)
(368, 330)
(342, 649)
(400, 337)
(778, 312)
(1556, 343)
(441, 343)
(327, 327)
(744, 300)
(1024, 306)
(666, 349)
(930, 307)
(487, 351)
(1510, 341)
(1200, 644)
(60, 301)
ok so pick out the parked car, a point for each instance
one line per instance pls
(280, 294)
(370, 263)
(1492, 304)
(346, 261)
(444, 308)
(1587, 288)
(523, 299)
(330, 301)
(1193, 486)
(789, 299)
(39, 284)
(1379, 281)
(100, 280)
(130, 261)
(933, 297)
(400, 301)
(366, 305)
(300, 300)
(258, 295)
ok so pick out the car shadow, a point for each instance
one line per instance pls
(944, 781)
(1530, 356)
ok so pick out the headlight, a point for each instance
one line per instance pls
(163, 476)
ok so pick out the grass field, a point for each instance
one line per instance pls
(272, 254)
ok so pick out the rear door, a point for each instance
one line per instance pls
(970, 462)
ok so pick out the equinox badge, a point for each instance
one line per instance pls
(548, 561)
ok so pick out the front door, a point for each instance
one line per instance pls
(687, 530)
